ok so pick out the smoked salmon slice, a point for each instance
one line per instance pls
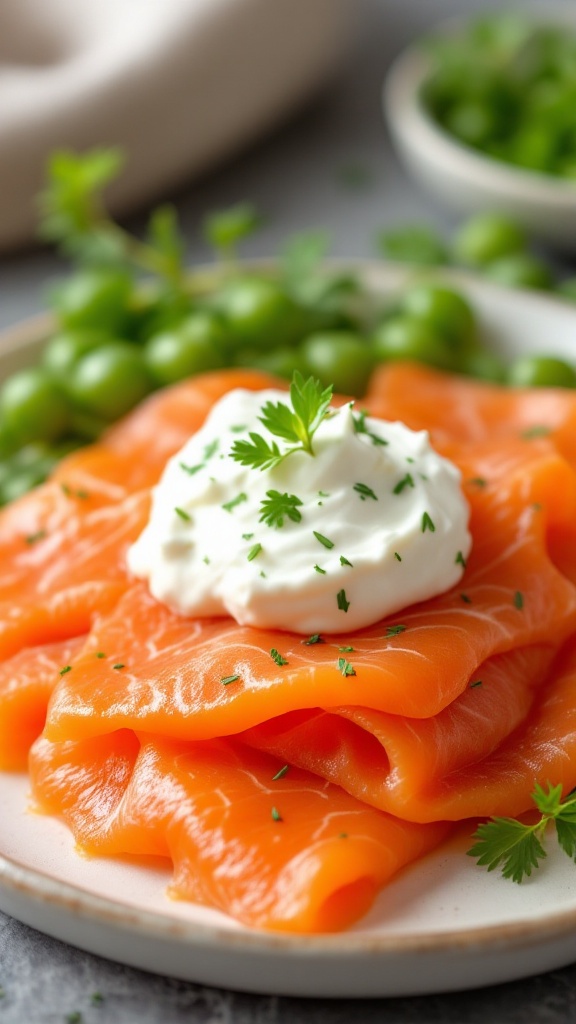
(290, 854)
(164, 735)
(26, 683)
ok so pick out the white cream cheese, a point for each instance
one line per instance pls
(382, 524)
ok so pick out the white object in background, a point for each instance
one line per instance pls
(178, 84)
(460, 176)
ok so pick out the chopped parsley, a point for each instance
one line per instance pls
(361, 428)
(397, 556)
(466, 598)
(393, 631)
(427, 523)
(323, 540)
(342, 601)
(346, 668)
(119, 666)
(364, 492)
(314, 639)
(318, 569)
(478, 481)
(226, 680)
(183, 514)
(346, 650)
(33, 538)
(460, 560)
(254, 552)
(247, 536)
(63, 671)
(281, 773)
(228, 506)
(277, 657)
(276, 507)
(538, 430)
(100, 654)
(211, 449)
(477, 682)
(191, 470)
(519, 600)
(406, 481)
(344, 561)
(276, 816)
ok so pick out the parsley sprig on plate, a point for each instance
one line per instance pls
(296, 425)
(517, 848)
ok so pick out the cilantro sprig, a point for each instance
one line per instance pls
(275, 507)
(517, 849)
(295, 425)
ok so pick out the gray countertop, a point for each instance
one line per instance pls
(297, 179)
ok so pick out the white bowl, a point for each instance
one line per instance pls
(460, 176)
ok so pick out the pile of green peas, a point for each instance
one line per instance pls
(116, 343)
(507, 87)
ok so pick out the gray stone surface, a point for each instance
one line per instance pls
(295, 177)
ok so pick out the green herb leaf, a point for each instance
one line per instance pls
(254, 552)
(229, 506)
(406, 481)
(460, 560)
(413, 244)
(314, 639)
(427, 523)
(397, 556)
(323, 540)
(191, 470)
(226, 680)
(538, 430)
(276, 816)
(519, 600)
(281, 773)
(277, 657)
(346, 668)
(183, 514)
(257, 452)
(225, 229)
(466, 598)
(342, 601)
(275, 507)
(364, 491)
(394, 631)
(361, 428)
(344, 561)
(317, 568)
(517, 848)
(346, 650)
(65, 670)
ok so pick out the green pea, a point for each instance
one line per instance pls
(94, 299)
(446, 312)
(258, 312)
(406, 337)
(64, 350)
(520, 271)
(567, 288)
(484, 366)
(110, 381)
(194, 346)
(280, 361)
(487, 237)
(541, 371)
(33, 406)
(473, 122)
(342, 358)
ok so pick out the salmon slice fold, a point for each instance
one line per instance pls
(291, 854)
(453, 708)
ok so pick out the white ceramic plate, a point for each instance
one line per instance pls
(442, 924)
(459, 175)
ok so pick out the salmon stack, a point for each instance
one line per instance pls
(286, 791)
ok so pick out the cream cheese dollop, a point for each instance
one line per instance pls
(381, 523)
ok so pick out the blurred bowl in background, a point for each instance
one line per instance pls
(463, 178)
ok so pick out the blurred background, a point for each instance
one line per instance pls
(215, 102)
